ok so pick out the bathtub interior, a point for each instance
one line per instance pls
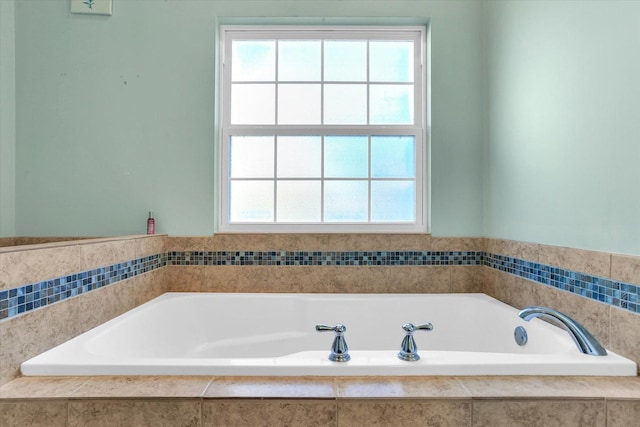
(274, 334)
(275, 325)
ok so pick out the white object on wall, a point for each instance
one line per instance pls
(93, 7)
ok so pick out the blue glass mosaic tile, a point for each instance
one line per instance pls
(361, 258)
(34, 295)
(593, 287)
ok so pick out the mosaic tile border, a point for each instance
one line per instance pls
(388, 258)
(34, 295)
(618, 294)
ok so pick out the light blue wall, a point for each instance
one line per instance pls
(7, 119)
(115, 115)
(563, 123)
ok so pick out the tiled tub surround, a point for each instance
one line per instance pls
(40, 294)
(307, 401)
(465, 401)
(35, 331)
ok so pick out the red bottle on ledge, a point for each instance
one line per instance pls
(151, 224)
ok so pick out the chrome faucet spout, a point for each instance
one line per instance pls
(584, 340)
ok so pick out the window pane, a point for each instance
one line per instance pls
(299, 156)
(393, 157)
(391, 104)
(251, 201)
(299, 60)
(346, 156)
(345, 61)
(253, 60)
(299, 201)
(393, 201)
(253, 104)
(346, 201)
(391, 61)
(345, 104)
(299, 104)
(251, 157)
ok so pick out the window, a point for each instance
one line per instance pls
(322, 129)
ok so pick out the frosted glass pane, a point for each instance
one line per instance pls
(345, 61)
(299, 60)
(252, 157)
(253, 104)
(346, 156)
(253, 60)
(393, 201)
(299, 156)
(393, 157)
(299, 201)
(251, 201)
(346, 201)
(391, 104)
(299, 104)
(345, 104)
(391, 61)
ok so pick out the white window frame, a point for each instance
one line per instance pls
(417, 129)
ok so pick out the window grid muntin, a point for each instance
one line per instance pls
(416, 129)
(322, 178)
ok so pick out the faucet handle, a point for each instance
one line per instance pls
(339, 348)
(410, 327)
(338, 329)
(409, 349)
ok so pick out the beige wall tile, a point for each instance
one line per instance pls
(232, 278)
(139, 413)
(591, 314)
(24, 267)
(107, 253)
(390, 413)
(254, 412)
(150, 245)
(269, 242)
(590, 262)
(185, 244)
(539, 413)
(467, 278)
(379, 242)
(625, 268)
(513, 290)
(514, 249)
(298, 279)
(491, 280)
(625, 334)
(421, 279)
(346, 279)
(36, 413)
(185, 278)
(457, 244)
(623, 413)
(149, 286)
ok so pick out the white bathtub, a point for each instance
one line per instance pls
(274, 334)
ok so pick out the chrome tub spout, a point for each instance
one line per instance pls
(586, 342)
